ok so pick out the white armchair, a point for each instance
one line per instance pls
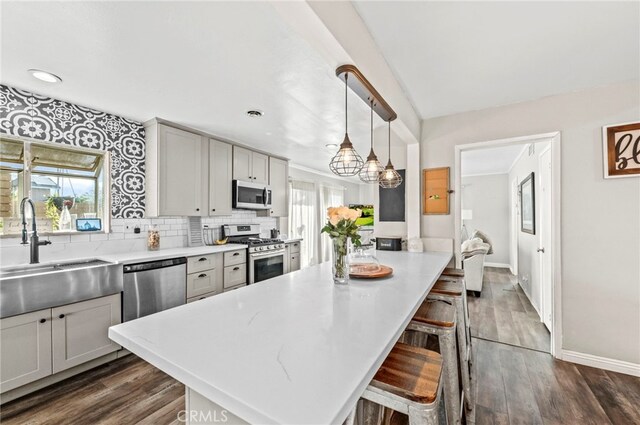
(473, 255)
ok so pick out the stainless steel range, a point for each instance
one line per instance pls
(266, 257)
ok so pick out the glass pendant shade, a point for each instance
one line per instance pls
(346, 162)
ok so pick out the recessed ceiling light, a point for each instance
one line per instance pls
(45, 76)
(255, 113)
(331, 146)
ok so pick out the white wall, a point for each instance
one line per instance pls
(528, 257)
(600, 218)
(488, 198)
(352, 187)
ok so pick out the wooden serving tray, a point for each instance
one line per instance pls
(383, 271)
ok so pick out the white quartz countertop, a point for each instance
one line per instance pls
(142, 256)
(293, 240)
(295, 349)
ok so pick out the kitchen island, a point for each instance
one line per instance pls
(295, 349)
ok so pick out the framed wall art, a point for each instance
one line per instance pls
(621, 145)
(528, 205)
(435, 191)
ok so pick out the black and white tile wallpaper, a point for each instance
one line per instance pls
(26, 114)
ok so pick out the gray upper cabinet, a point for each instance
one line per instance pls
(250, 166)
(220, 177)
(173, 171)
(278, 180)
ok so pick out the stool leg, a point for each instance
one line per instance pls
(464, 363)
(423, 417)
(450, 374)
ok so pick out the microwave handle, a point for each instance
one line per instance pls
(264, 196)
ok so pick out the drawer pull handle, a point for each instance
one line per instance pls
(202, 298)
(295, 244)
(235, 254)
(43, 320)
(61, 316)
(202, 275)
(202, 259)
(236, 268)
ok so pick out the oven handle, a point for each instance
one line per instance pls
(267, 254)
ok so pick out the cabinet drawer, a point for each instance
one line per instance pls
(203, 262)
(235, 275)
(203, 282)
(295, 247)
(235, 257)
(202, 297)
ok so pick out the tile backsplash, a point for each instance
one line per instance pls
(173, 234)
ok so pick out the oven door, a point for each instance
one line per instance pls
(263, 266)
(251, 196)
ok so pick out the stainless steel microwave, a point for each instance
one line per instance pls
(251, 196)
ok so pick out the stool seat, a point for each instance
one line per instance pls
(450, 271)
(412, 373)
(448, 287)
(436, 313)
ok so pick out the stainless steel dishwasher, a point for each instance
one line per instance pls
(153, 286)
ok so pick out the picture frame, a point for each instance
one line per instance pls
(528, 205)
(435, 191)
(621, 150)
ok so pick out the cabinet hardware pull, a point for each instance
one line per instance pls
(235, 254)
(61, 316)
(197, 209)
(202, 275)
(202, 298)
(236, 268)
(43, 320)
(202, 259)
(213, 209)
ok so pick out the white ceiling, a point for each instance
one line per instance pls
(202, 65)
(459, 56)
(489, 161)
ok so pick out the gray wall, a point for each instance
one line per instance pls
(600, 218)
(488, 198)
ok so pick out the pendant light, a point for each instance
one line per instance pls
(390, 178)
(346, 162)
(370, 172)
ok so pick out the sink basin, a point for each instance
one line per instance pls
(39, 286)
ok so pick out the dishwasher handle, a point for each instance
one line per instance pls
(151, 265)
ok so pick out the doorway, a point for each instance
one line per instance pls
(521, 278)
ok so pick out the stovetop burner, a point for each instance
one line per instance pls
(255, 241)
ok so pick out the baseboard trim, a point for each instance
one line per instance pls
(605, 363)
(498, 265)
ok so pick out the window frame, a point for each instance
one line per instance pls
(104, 167)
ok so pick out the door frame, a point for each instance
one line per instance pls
(543, 289)
(556, 260)
(514, 212)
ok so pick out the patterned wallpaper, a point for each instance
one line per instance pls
(42, 118)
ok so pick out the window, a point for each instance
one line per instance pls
(63, 183)
(329, 197)
(303, 219)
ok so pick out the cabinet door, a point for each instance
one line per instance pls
(179, 172)
(220, 177)
(242, 164)
(278, 180)
(294, 262)
(260, 168)
(25, 349)
(80, 331)
(287, 258)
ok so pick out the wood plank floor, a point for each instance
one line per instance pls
(504, 314)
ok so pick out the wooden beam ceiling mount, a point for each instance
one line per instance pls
(365, 91)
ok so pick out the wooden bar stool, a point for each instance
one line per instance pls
(453, 272)
(453, 292)
(438, 318)
(408, 382)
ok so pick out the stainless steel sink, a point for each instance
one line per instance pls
(39, 286)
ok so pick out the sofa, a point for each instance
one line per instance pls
(474, 250)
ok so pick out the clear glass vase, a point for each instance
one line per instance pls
(340, 261)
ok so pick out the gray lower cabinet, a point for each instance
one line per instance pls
(205, 276)
(292, 256)
(38, 344)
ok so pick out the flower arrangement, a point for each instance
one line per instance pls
(341, 227)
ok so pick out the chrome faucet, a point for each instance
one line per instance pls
(34, 252)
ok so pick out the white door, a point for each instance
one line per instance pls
(515, 226)
(80, 331)
(25, 349)
(242, 164)
(544, 249)
(180, 174)
(220, 176)
(260, 168)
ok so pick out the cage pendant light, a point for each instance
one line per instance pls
(389, 177)
(371, 170)
(346, 162)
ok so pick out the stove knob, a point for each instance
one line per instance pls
(261, 248)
